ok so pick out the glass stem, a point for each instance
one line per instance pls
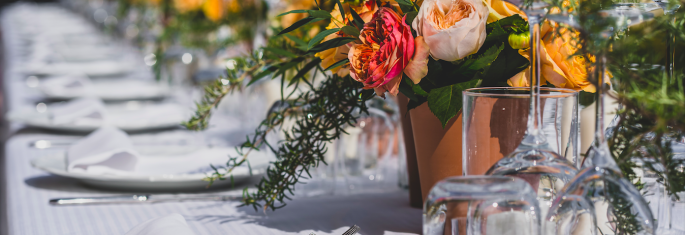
(670, 54)
(534, 134)
(599, 95)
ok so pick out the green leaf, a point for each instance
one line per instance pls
(409, 17)
(320, 36)
(406, 5)
(357, 19)
(445, 102)
(336, 42)
(496, 34)
(337, 64)
(279, 51)
(291, 12)
(515, 23)
(296, 40)
(471, 66)
(349, 30)
(300, 74)
(342, 10)
(319, 14)
(414, 87)
(300, 23)
(262, 74)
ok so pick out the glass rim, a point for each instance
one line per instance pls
(560, 92)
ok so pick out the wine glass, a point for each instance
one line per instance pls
(534, 160)
(599, 198)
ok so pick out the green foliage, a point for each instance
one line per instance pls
(446, 101)
(492, 65)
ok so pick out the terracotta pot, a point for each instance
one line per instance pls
(415, 198)
(438, 150)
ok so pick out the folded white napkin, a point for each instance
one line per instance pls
(173, 224)
(82, 111)
(79, 85)
(107, 149)
(76, 84)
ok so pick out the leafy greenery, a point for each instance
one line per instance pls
(473, 70)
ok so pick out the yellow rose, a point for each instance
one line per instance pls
(560, 66)
(213, 9)
(188, 5)
(500, 9)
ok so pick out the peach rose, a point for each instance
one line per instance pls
(388, 51)
(452, 29)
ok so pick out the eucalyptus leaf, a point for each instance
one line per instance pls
(291, 12)
(299, 24)
(357, 19)
(300, 74)
(279, 51)
(320, 36)
(336, 42)
(349, 30)
(337, 64)
(319, 14)
(342, 10)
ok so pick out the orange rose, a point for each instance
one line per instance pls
(187, 5)
(560, 66)
(500, 9)
(330, 56)
(213, 9)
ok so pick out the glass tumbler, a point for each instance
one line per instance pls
(494, 123)
(480, 205)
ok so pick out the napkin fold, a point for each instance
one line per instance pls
(77, 83)
(173, 224)
(106, 150)
(79, 111)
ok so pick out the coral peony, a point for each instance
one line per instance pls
(388, 51)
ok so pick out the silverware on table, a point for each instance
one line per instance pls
(143, 198)
(353, 230)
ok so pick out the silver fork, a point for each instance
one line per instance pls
(353, 230)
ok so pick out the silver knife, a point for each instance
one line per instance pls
(143, 198)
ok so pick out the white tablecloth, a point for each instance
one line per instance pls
(28, 190)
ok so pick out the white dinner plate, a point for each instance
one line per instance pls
(92, 68)
(159, 181)
(131, 117)
(109, 90)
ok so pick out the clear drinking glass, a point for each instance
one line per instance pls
(494, 124)
(480, 205)
(364, 160)
(599, 200)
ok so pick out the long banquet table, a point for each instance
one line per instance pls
(26, 190)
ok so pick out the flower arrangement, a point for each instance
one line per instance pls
(427, 50)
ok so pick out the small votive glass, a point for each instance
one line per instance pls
(480, 205)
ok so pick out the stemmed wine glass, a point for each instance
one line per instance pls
(534, 160)
(599, 198)
(669, 10)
